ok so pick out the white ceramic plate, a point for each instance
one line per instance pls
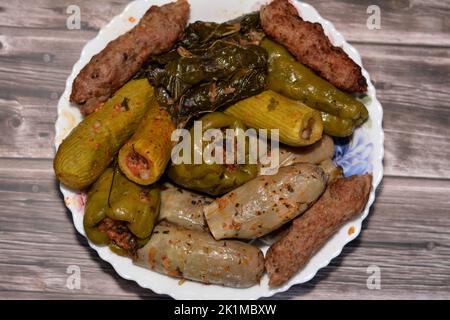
(363, 153)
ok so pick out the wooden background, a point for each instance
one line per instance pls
(407, 233)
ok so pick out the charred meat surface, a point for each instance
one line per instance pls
(342, 201)
(309, 44)
(157, 31)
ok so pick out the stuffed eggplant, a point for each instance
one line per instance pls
(265, 203)
(195, 255)
(183, 207)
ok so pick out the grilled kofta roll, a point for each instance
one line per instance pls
(309, 44)
(156, 32)
(343, 201)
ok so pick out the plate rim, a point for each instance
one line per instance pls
(378, 159)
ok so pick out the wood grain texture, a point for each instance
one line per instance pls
(407, 22)
(39, 242)
(407, 233)
(407, 85)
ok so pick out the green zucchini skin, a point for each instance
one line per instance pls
(151, 143)
(341, 112)
(92, 145)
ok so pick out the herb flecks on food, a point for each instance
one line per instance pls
(212, 66)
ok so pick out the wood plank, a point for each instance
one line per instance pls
(413, 91)
(406, 235)
(50, 14)
(415, 97)
(27, 127)
(49, 63)
(407, 22)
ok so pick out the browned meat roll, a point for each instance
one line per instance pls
(156, 32)
(309, 44)
(342, 201)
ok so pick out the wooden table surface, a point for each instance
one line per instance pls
(407, 234)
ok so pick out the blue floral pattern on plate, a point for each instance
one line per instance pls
(353, 154)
